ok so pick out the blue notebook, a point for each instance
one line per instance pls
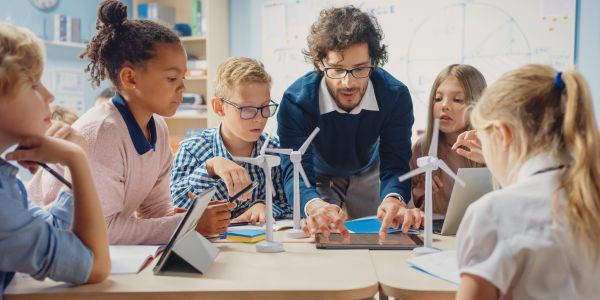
(371, 225)
(249, 233)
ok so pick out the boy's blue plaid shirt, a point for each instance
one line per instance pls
(189, 173)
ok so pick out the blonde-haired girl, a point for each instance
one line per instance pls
(537, 237)
(455, 89)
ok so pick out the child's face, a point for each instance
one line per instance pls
(27, 113)
(248, 94)
(450, 106)
(160, 83)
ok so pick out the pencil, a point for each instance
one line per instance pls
(55, 174)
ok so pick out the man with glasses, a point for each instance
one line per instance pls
(365, 116)
(243, 103)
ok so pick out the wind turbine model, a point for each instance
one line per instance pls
(296, 158)
(266, 162)
(428, 164)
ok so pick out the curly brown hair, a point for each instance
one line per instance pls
(341, 27)
(119, 41)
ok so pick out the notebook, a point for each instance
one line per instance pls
(131, 259)
(370, 225)
(442, 265)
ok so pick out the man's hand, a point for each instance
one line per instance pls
(324, 218)
(393, 212)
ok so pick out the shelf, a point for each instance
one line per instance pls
(65, 44)
(192, 39)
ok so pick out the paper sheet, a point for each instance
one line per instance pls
(130, 259)
(442, 265)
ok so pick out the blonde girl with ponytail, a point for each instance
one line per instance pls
(537, 237)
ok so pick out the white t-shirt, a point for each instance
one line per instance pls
(509, 238)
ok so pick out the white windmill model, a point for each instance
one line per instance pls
(266, 162)
(428, 164)
(296, 159)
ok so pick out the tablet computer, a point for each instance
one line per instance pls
(169, 261)
(394, 241)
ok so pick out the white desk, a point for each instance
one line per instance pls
(238, 272)
(397, 279)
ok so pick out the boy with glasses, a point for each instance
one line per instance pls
(242, 101)
(365, 116)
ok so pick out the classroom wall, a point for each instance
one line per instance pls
(23, 13)
(245, 34)
(587, 47)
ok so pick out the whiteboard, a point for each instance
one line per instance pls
(424, 36)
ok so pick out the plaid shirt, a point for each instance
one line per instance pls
(189, 173)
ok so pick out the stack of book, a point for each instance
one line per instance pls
(246, 235)
(61, 28)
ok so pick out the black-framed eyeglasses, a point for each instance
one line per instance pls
(339, 73)
(250, 112)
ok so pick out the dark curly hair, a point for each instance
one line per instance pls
(341, 27)
(120, 41)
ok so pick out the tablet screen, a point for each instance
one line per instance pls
(189, 221)
(398, 241)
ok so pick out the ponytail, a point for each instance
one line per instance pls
(581, 180)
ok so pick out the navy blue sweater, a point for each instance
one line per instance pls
(348, 144)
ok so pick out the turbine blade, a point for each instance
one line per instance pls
(411, 174)
(309, 140)
(263, 149)
(448, 171)
(280, 151)
(303, 174)
(434, 139)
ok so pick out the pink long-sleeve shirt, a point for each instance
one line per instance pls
(133, 184)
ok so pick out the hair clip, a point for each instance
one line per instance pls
(558, 82)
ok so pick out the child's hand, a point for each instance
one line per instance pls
(64, 131)
(215, 218)
(468, 145)
(235, 176)
(419, 185)
(46, 149)
(255, 214)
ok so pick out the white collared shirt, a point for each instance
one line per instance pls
(510, 238)
(327, 104)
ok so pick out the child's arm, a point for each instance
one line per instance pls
(60, 214)
(88, 224)
(475, 287)
(189, 174)
(159, 203)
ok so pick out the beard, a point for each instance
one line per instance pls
(345, 102)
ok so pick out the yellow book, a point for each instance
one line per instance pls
(246, 235)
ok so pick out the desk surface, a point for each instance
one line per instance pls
(397, 279)
(239, 271)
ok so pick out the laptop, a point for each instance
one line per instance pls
(478, 183)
